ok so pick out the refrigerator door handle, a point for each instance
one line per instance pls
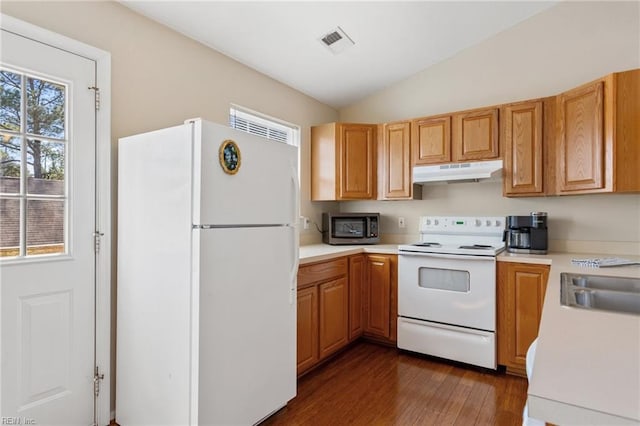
(295, 237)
(295, 193)
(293, 275)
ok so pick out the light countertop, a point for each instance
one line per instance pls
(318, 252)
(587, 365)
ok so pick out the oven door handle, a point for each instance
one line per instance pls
(448, 256)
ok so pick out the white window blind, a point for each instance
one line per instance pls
(263, 126)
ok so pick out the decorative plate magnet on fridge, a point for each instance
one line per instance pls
(229, 156)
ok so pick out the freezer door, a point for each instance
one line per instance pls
(263, 190)
(247, 327)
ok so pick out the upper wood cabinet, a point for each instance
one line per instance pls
(520, 297)
(394, 165)
(627, 132)
(597, 136)
(475, 135)
(522, 126)
(464, 136)
(431, 140)
(343, 162)
(581, 144)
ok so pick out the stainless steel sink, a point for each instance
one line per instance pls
(604, 293)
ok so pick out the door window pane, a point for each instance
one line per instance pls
(45, 226)
(45, 167)
(45, 108)
(9, 227)
(34, 201)
(9, 164)
(10, 100)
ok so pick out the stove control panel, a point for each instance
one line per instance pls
(484, 225)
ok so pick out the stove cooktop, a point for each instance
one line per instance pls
(479, 236)
(472, 249)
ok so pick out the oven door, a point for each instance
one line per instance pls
(450, 289)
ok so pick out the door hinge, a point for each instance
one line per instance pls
(97, 376)
(97, 93)
(96, 240)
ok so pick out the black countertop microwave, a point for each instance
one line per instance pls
(350, 228)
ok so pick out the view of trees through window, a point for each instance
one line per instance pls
(32, 164)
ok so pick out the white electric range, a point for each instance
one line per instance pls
(447, 289)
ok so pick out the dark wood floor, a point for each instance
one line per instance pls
(376, 385)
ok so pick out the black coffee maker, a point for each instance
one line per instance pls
(526, 234)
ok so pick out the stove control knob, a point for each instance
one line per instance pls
(488, 223)
(478, 222)
(497, 223)
(427, 222)
(436, 222)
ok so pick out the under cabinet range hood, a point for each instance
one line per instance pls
(457, 172)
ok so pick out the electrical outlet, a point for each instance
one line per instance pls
(305, 222)
(401, 223)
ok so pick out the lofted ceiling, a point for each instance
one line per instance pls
(393, 39)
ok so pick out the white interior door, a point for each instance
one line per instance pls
(47, 257)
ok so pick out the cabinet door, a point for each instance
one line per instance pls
(475, 135)
(627, 131)
(334, 316)
(357, 162)
(523, 160)
(307, 328)
(356, 290)
(581, 139)
(378, 292)
(431, 140)
(393, 300)
(396, 157)
(322, 271)
(521, 290)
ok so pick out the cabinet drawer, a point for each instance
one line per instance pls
(309, 274)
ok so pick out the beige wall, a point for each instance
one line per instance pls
(161, 78)
(565, 46)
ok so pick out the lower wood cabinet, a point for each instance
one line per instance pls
(307, 328)
(341, 300)
(381, 298)
(357, 276)
(333, 316)
(520, 296)
(322, 311)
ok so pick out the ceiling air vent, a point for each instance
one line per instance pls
(336, 41)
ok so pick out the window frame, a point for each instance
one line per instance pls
(258, 118)
(23, 196)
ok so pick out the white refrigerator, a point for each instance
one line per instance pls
(207, 263)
